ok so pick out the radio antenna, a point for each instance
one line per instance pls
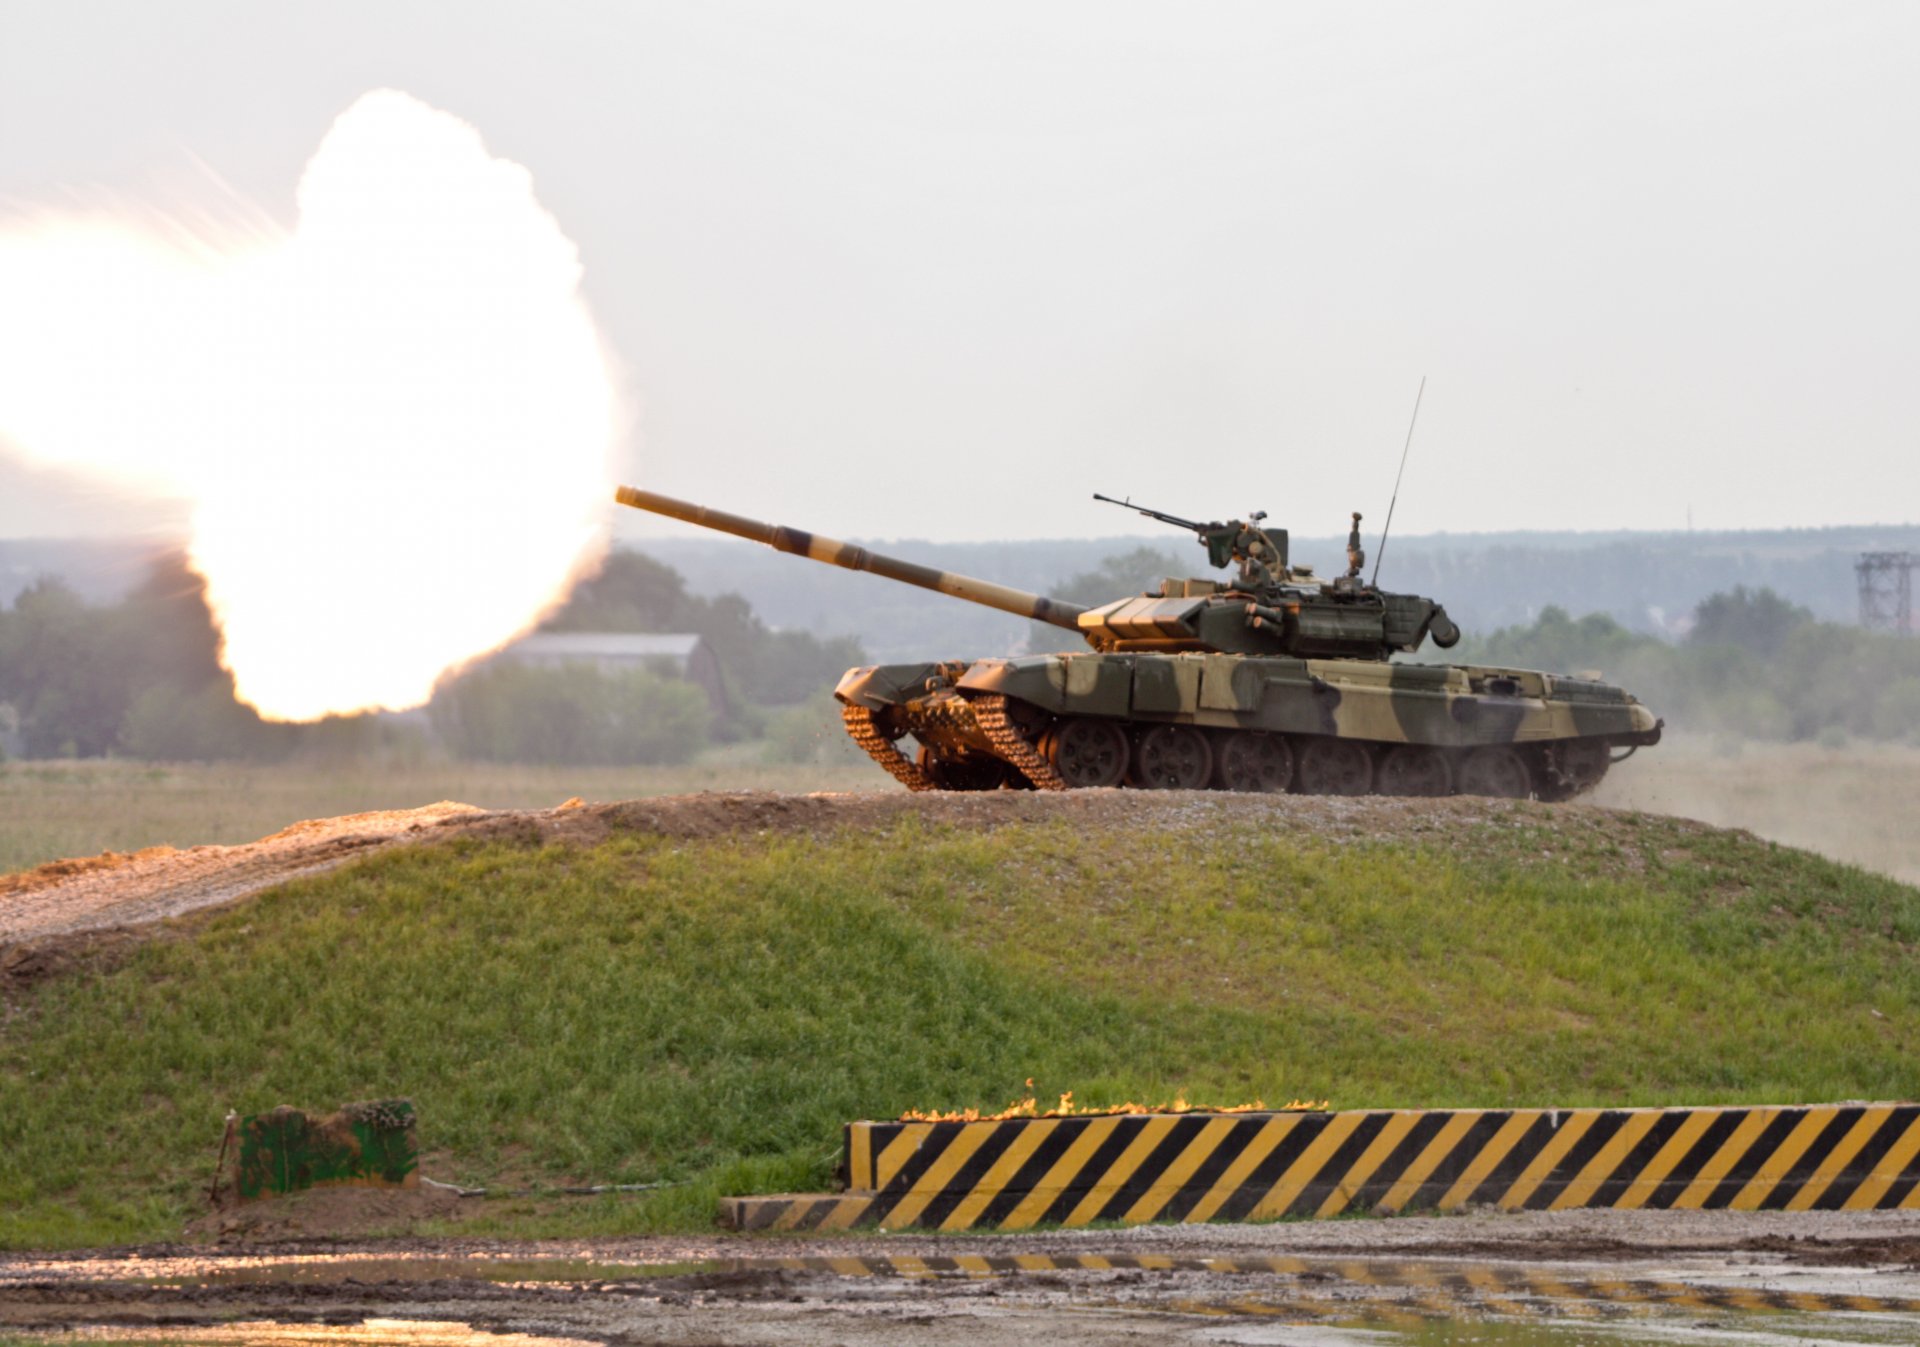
(1381, 555)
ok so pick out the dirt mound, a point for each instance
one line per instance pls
(55, 872)
(120, 889)
(43, 910)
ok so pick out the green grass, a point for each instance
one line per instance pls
(713, 1011)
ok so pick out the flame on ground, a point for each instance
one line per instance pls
(1029, 1107)
(393, 422)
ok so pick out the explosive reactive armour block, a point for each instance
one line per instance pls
(370, 1145)
(1130, 1168)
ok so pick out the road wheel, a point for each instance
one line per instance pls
(1088, 753)
(975, 771)
(1497, 771)
(1572, 767)
(1335, 767)
(1245, 760)
(1415, 769)
(1172, 757)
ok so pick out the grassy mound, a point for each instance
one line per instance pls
(711, 1010)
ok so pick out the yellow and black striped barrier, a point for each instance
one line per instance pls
(1015, 1173)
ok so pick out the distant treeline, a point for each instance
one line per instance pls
(763, 667)
(506, 713)
(1648, 582)
(141, 678)
(1753, 665)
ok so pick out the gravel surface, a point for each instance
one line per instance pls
(130, 889)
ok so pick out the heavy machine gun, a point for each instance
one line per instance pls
(1261, 553)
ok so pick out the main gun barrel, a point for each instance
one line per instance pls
(816, 547)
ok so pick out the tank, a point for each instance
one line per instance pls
(1269, 679)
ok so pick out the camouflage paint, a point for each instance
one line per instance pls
(1276, 652)
(1447, 706)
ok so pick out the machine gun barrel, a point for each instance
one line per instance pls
(1161, 515)
(816, 547)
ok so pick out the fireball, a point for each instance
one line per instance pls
(393, 421)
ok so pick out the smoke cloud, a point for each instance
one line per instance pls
(393, 422)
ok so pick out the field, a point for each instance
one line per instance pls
(704, 1009)
(1854, 804)
(54, 809)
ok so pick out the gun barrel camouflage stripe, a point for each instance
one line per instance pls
(1131, 1168)
(819, 547)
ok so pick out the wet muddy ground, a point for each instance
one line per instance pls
(1551, 1278)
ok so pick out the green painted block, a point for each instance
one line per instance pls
(370, 1145)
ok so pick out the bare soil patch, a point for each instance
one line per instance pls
(345, 1213)
(118, 889)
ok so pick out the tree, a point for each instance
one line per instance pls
(504, 712)
(1758, 620)
(1116, 577)
(1754, 666)
(633, 592)
(1119, 575)
(142, 677)
(63, 671)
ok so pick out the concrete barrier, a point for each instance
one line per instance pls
(1015, 1173)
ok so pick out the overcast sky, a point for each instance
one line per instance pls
(890, 270)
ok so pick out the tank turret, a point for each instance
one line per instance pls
(1267, 608)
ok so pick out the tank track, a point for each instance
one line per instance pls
(864, 732)
(1551, 778)
(990, 714)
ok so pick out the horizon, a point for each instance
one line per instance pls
(675, 533)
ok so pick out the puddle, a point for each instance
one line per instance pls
(1436, 1302)
(1440, 1286)
(1693, 1315)
(370, 1333)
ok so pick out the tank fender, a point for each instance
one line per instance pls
(1643, 737)
(882, 685)
(1096, 685)
(1169, 685)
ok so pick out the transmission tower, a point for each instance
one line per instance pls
(1886, 591)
